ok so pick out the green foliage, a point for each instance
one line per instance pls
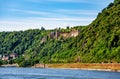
(110, 5)
(42, 28)
(116, 2)
(1, 62)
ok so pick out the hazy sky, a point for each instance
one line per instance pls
(31, 14)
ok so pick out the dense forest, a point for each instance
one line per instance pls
(98, 42)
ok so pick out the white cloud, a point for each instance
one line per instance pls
(78, 12)
(72, 1)
(40, 1)
(51, 19)
(59, 12)
(68, 1)
(83, 1)
(38, 13)
(29, 11)
(48, 23)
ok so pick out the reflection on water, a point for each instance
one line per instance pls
(37, 73)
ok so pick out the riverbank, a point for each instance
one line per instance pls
(10, 65)
(82, 66)
(88, 66)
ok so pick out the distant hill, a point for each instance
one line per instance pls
(98, 42)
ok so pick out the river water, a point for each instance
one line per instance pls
(40, 73)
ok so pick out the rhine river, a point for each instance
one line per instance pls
(41, 73)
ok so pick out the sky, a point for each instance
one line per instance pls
(18, 15)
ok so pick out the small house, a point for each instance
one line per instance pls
(5, 57)
(13, 56)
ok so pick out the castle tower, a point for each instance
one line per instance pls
(57, 34)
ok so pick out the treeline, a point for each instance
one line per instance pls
(98, 42)
(18, 42)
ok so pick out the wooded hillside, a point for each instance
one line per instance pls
(96, 43)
